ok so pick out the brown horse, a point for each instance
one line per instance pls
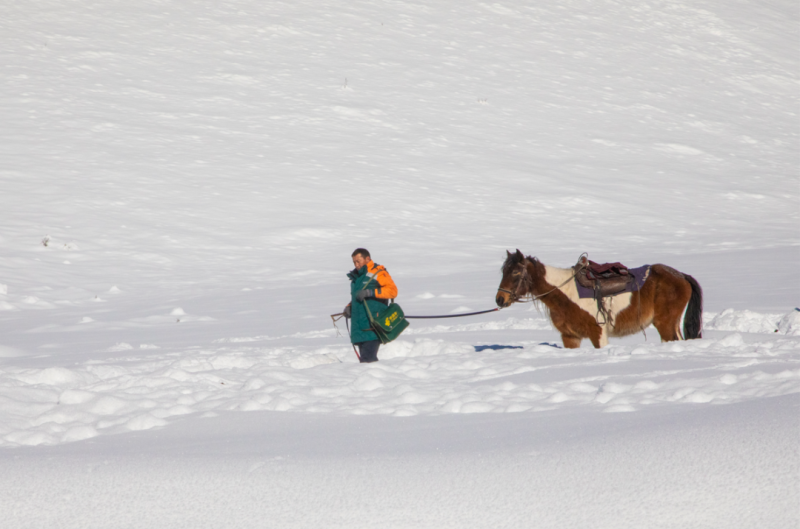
(661, 301)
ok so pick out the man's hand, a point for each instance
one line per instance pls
(346, 312)
(364, 294)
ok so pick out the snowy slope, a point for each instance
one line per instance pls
(168, 142)
(183, 183)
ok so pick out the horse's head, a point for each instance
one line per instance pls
(516, 280)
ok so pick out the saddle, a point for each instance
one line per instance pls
(607, 279)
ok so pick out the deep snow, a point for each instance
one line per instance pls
(183, 183)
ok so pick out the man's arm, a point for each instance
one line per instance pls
(387, 288)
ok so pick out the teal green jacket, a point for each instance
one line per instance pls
(360, 330)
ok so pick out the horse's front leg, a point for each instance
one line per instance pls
(570, 342)
(600, 339)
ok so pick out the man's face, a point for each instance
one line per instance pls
(359, 261)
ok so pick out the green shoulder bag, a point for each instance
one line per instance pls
(387, 323)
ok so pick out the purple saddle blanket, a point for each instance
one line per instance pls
(639, 277)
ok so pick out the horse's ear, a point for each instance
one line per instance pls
(520, 254)
(508, 254)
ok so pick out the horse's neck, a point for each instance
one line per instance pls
(555, 277)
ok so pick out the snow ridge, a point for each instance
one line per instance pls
(421, 377)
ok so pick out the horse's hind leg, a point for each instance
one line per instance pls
(668, 327)
(672, 296)
(570, 342)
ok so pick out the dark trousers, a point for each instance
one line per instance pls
(368, 351)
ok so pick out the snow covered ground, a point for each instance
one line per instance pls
(183, 183)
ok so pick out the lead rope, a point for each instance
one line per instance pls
(337, 317)
(452, 315)
(347, 324)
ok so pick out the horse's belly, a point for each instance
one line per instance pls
(613, 304)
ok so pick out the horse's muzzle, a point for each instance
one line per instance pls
(504, 298)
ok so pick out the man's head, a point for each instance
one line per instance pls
(360, 257)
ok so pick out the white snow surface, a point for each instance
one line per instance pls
(183, 184)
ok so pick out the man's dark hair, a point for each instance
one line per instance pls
(363, 252)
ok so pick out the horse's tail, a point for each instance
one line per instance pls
(693, 320)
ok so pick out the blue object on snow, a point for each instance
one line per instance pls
(479, 348)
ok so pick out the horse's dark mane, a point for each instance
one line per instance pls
(511, 261)
(514, 259)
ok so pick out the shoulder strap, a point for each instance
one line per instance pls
(369, 312)
(370, 278)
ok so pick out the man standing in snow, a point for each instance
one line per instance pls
(370, 283)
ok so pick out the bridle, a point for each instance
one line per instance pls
(530, 298)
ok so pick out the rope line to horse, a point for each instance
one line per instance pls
(341, 315)
(452, 315)
(337, 317)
